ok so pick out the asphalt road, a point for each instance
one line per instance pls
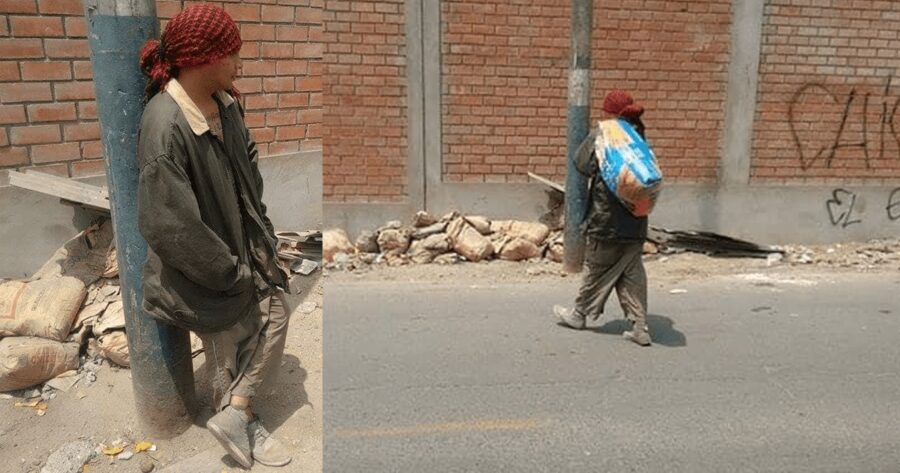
(748, 374)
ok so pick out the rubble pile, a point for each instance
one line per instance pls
(862, 256)
(445, 240)
(455, 238)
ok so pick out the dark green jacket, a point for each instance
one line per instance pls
(608, 219)
(212, 250)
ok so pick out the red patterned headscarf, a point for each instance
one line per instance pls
(200, 34)
(620, 103)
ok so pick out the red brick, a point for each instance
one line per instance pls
(293, 100)
(290, 133)
(34, 134)
(41, 27)
(67, 48)
(243, 12)
(258, 32)
(9, 71)
(21, 48)
(92, 149)
(292, 33)
(87, 110)
(82, 132)
(76, 27)
(259, 68)
(309, 84)
(51, 112)
(24, 92)
(12, 114)
(278, 84)
(18, 6)
(277, 14)
(43, 71)
(4, 138)
(308, 50)
(62, 7)
(89, 168)
(309, 116)
(13, 156)
(55, 153)
(83, 70)
(292, 68)
(277, 50)
(280, 118)
(308, 16)
(74, 91)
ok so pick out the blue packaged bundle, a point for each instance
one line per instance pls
(628, 166)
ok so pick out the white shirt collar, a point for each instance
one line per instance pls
(191, 111)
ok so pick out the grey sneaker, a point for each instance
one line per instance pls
(570, 317)
(267, 450)
(638, 334)
(229, 427)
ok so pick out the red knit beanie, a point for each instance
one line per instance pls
(620, 103)
(200, 34)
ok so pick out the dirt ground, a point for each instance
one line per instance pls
(874, 256)
(104, 412)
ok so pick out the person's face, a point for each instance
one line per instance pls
(225, 71)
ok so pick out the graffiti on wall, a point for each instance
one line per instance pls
(843, 211)
(811, 154)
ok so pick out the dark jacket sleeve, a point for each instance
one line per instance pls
(585, 161)
(253, 153)
(169, 219)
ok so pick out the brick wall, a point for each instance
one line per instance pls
(825, 111)
(48, 116)
(365, 146)
(505, 69)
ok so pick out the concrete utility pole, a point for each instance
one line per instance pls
(579, 118)
(161, 364)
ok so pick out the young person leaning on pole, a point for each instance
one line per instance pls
(211, 264)
(614, 239)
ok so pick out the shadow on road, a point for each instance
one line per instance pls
(662, 330)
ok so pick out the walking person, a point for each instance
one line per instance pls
(614, 240)
(211, 265)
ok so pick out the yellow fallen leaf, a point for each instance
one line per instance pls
(112, 450)
(27, 404)
(41, 412)
(142, 446)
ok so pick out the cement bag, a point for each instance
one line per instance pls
(468, 242)
(26, 361)
(114, 347)
(45, 308)
(628, 166)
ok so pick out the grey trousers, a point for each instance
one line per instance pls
(611, 265)
(248, 354)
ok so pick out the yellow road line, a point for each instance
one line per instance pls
(476, 425)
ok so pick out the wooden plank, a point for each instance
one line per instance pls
(547, 182)
(62, 187)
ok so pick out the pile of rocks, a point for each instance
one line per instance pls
(445, 240)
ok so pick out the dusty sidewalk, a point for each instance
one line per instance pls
(104, 412)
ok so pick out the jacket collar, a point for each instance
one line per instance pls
(191, 112)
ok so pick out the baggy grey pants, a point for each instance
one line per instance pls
(248, 354)
(616, 265)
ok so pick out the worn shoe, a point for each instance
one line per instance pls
(229, 427)
(569, 317)
(638, 334)
(266, 449)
